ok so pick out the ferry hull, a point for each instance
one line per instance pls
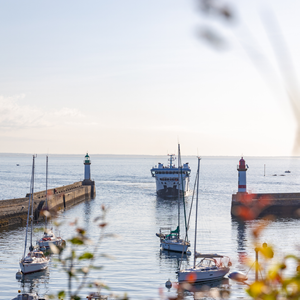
(169, 192)
(202, 275)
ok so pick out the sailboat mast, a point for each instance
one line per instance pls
(198, 171)
(32, 189)
(27, 223)
(46, 191)
(179, 162)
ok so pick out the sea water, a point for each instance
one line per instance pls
(125, 186)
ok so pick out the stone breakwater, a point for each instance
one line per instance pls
(14, 211)
(245, 205)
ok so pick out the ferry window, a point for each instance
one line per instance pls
(159, 172)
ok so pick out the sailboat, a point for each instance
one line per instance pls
(35, 260)
(211, 266)
(49, 236)
(170, 239)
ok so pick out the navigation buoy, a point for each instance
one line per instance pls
(242, 168)
(238, 276)
(19, 275)
(168, 284)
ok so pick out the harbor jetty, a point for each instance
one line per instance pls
(14, 211)
(246, 205)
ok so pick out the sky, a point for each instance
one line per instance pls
(136, 77)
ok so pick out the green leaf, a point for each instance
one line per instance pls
(76, 241)
(38, 229)
(61, 294)
(86, 255)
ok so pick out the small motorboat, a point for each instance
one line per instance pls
(49, 238)
(288, 171)
(27, 296)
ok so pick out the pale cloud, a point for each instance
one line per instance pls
(69, 112)
(14, 115)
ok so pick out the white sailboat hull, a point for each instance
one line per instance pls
(201, 275)
(177, 246)
(33, 266)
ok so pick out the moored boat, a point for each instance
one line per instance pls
(169, 240)
(211, 266)
(169, 179)
(27, 296)
(48, 237)
(35, 260)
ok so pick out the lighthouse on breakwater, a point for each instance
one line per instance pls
(242, 169)
(87, 175)
(87, 167)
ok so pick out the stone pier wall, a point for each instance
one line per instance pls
(14, 211)
(260, 205)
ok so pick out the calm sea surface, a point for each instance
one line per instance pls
(124, 184)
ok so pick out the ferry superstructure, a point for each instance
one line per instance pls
(170, 178)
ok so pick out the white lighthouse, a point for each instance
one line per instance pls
(87, 168)
(242, 168)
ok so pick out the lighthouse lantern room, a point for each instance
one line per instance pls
(87, 167)
(242, 168)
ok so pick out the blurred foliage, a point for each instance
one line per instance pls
(274, 280)
(77, 263)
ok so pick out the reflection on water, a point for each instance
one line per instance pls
(241, 236)
(35, 282)
(215, 289)
(175, 258)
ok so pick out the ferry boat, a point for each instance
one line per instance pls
(169, 178)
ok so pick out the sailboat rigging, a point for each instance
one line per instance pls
(48, 237)
(170, 240)
(211, 266)
(35, 260)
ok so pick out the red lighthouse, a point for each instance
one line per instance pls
(242, 168)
